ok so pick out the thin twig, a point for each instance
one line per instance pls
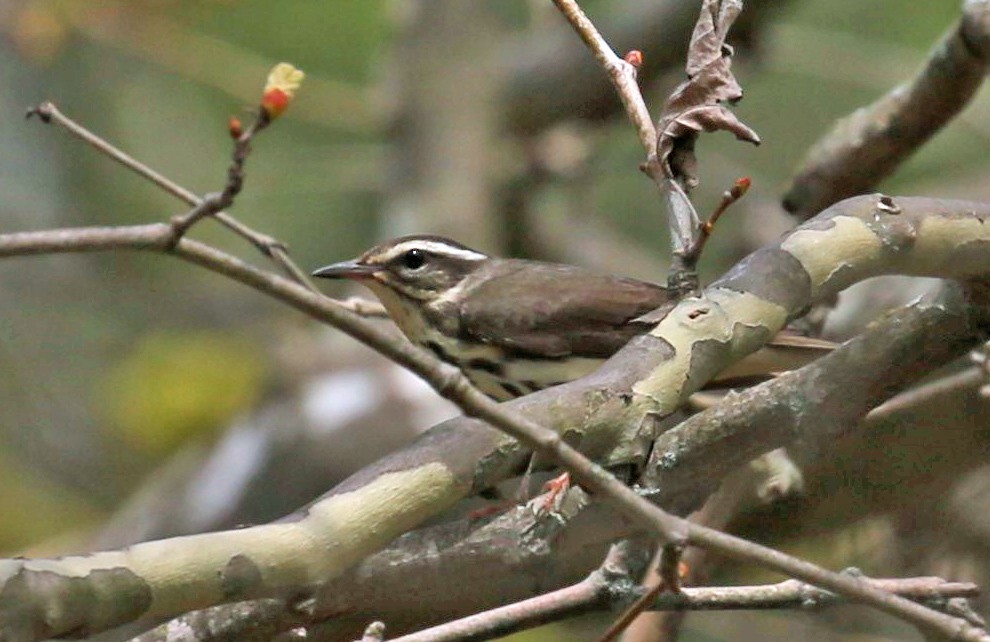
(628, 616)
(47, 112)
(215, 203)
(687, 235)
(729, 196)
(597, 592)
(620, 72)
(668, 578)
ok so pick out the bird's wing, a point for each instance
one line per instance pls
(558, 311)
(787, 350)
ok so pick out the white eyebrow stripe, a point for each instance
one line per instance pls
(435, 247)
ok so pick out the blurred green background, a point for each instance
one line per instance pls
(110, 363)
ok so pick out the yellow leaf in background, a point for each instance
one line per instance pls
(173, 386)
(38, 32)
(36, 509)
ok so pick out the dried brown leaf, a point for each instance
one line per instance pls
(707, 118)
(698, 104)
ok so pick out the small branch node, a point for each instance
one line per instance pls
(269, 245)
(704, 230)
(43, 111)
(961, 608)
(635, 59)
(181, 223)
(809, 597)
(672, 569)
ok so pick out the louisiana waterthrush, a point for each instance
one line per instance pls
(515, 326)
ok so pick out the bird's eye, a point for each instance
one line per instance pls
(414, 259)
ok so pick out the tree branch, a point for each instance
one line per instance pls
(414, 575)
(599, 592)
(648, 378)
(267, 245)
(872, 142)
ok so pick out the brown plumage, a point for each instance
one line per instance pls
(557, 310)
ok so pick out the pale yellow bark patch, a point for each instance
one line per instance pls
(186, 572)
(937, 249)
(849, 243)
(721, 316)
(368, 518)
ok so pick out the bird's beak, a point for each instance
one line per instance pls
(347, 270)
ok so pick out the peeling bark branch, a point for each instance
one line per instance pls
(872, 142)
(414, 575)
(647, 379)
(819, 403)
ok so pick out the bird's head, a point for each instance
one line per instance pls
(421, 268)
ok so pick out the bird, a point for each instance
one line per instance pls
(517, 326)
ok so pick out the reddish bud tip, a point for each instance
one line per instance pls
(235, 127)
(274, 102)
(742, 185)
(280, 88)
(634, 57)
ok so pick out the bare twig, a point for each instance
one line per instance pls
(668, 578)
(641, 604)
(599, 592)
(720, 507)
(695, 106)
(267, 245)
(215, 203)
(620, 72)
(729, 197)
